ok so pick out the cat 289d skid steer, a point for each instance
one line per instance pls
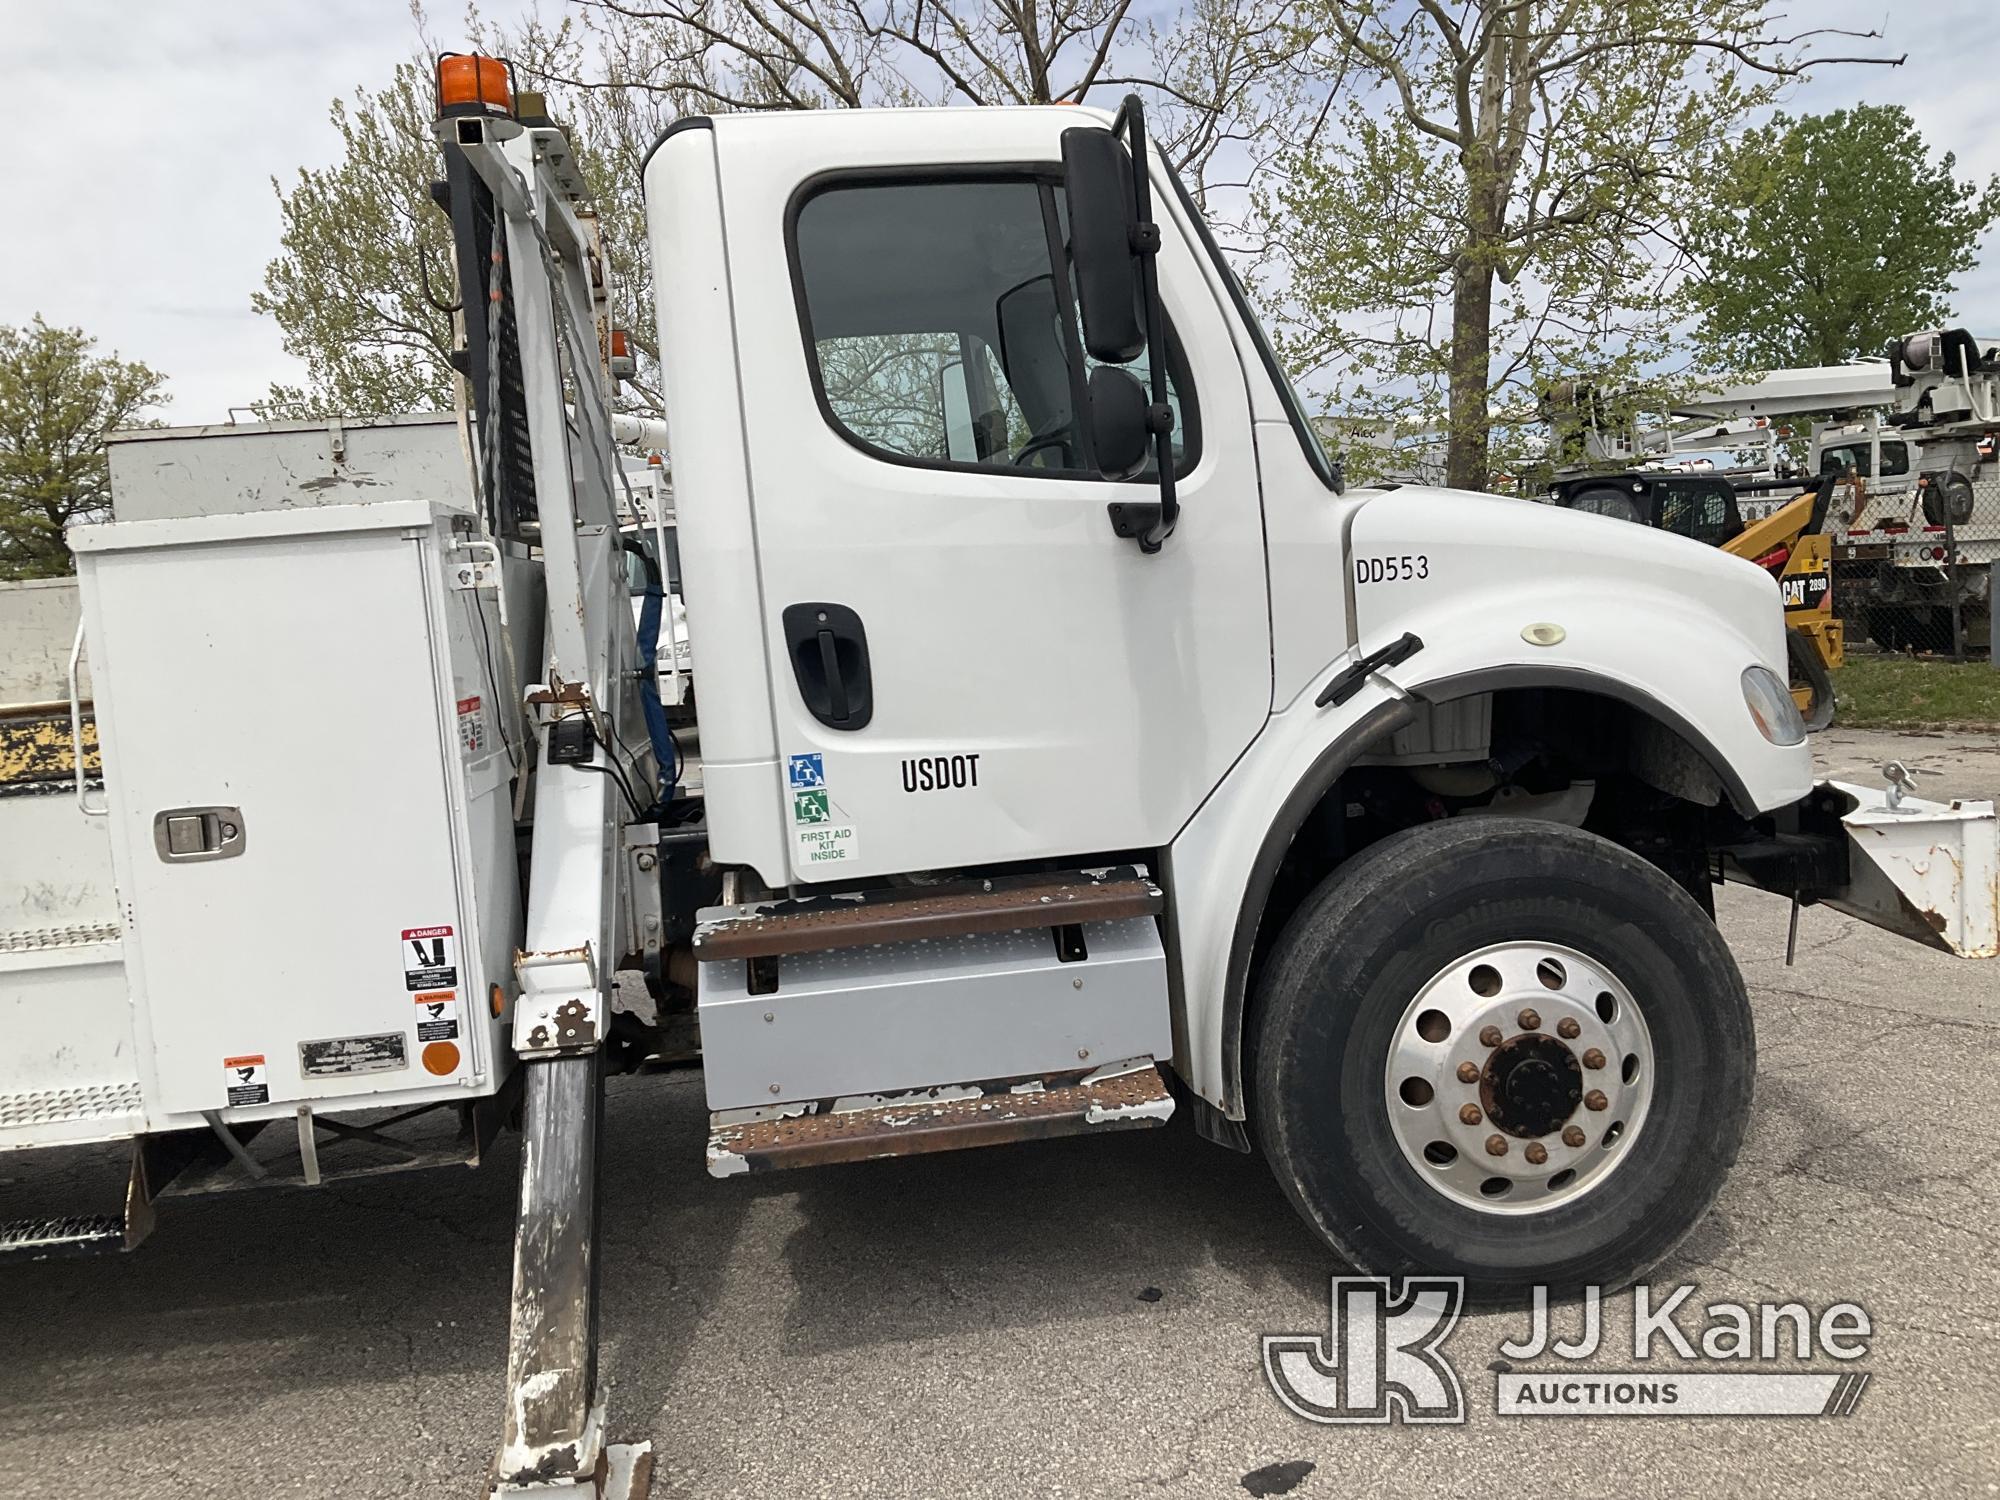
(1791, 543)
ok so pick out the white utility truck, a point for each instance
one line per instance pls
(1062, 729)
(1915, 532)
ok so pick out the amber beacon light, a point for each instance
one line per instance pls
(470, 84)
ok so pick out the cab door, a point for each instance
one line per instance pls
(966, 664)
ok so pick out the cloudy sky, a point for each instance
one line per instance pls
(147, 133)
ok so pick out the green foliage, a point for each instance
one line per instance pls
(1830, 234)
(1496, 201)
(1883, 691)
(57, 401)
(367, 256)
(360, 238)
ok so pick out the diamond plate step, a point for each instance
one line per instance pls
(939, 1120)
(44, 1239)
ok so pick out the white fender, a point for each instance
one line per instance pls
(1663, 623)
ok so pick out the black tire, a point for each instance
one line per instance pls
(1354, 957)
(1950, 502)
(1889, 627)
(1809, 672)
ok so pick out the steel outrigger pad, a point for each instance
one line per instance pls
(624, 1472)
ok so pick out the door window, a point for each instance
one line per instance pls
(1852, 458)
(1604, 500)
(1695, 510)
(939, 331)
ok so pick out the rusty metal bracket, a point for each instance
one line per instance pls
(560, 1011)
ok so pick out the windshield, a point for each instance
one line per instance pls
(1295, 410)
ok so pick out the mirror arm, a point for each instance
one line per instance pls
(1131, 120)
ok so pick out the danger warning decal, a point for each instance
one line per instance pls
(243, 1080)
(437, 1016)
(471, 726)
(430, 958)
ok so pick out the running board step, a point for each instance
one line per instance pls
(1001, 903)
(939, 1119)
(85, 1234)
(45, 1239)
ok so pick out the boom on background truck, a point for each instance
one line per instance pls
(1057, 725)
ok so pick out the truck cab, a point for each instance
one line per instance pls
(959, 623)
(1075, 749)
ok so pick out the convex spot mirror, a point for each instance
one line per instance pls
(1097, 189)
(1119, 436)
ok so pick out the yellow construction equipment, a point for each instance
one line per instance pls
(1790, 543)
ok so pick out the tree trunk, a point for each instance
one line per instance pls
(1471, 366)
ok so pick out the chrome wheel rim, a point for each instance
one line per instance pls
(1519, 1077)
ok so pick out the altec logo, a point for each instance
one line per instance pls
(1380, 1361)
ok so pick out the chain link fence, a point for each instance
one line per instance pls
(1913, 566)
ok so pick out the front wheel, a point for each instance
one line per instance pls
(1505, 1050)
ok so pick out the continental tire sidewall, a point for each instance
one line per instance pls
(1347, 967)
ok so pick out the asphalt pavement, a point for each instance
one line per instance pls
(1069, 1318)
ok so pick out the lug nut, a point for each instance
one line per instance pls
(1593, 1059)
(1531, 1020)
(1468, 1072)
(1595, 1099)
(1567, 1029)
(1496, 1145)
(1573, 1137)
(1536, 1153)
(1489, 1036)
(1469, 1114)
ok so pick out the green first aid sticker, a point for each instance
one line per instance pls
(821, 834)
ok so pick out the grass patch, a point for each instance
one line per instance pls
(1883, 690)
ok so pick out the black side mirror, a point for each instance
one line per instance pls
(1097, 189)
(1113, 247)
(1118, 429)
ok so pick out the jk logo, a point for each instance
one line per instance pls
(1380, 1360)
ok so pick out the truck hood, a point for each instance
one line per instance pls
(1586, 572)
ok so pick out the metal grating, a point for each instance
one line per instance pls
(38, 1239)
(97, 1101)
(44, 939)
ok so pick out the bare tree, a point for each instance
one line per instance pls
(1222, 77)
(1504, 192)
(1219, 74)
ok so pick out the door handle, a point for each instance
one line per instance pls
(836, 683)
(182, 835)
(828, 647)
